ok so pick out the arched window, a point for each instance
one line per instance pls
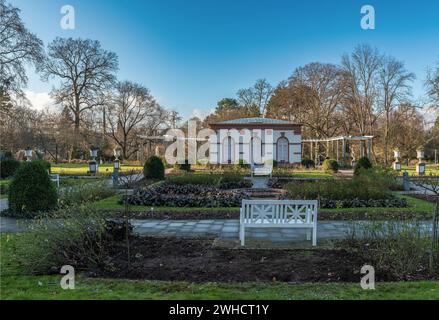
(282, 150)
(228, 150)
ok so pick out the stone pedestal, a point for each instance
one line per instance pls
(420, 168)
(397, 166)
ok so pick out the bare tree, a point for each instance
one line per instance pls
(432, 84)
(407, 130)
(256, 96)
(131, 110)
(85, 71)
(361, 70)
(312, 97)
(394, 85)
(18, 46)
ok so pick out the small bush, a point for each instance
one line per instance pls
(242, 164)
(4, 187)
(31, 190)
(308, 163)
(85, 193)
(186, 166)
(363, 163)
(73, 236)
(154, 168)
(398, 250)
(8, 167)
(330, 165)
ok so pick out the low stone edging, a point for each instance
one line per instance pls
(323, 215)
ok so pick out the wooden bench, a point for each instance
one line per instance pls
(279, 214)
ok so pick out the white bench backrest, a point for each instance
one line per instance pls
(279, 211)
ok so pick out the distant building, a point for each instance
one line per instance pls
(255, 141)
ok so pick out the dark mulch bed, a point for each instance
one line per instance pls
(197, 260)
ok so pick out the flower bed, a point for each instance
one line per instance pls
(186, 196)
(392, 202)
(372, 190)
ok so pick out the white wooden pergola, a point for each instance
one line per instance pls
(337, 144)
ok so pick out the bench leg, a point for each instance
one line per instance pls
(242, 235)
(308, 234)
(314, 236)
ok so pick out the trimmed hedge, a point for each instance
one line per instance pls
(363, 163)
(8, 167)
(46, 164)
(31, 190)
(308, 163)
(154, 168)
(371, 189)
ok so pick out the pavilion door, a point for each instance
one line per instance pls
(282, 150)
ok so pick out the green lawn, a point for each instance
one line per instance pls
(429, 168)
(47, 287)
(111, 203)
(14, 285)
(75, 168)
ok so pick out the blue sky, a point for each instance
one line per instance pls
(192, 53)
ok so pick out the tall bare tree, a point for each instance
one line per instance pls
(18, 46)
(432, 84)
(85, 71)
(256, 96)
(394, 87)
(311, 97)
(132, 111)
(361, 70)
(407, 131)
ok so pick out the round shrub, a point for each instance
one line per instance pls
(363, 163)
(31, 190)
(330, 165)
(154, 168)
(308, 163)
(46, 164)
(8, 167)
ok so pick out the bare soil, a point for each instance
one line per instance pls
(198, 260)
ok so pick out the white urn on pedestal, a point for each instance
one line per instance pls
(396, 163)
(420, 166)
